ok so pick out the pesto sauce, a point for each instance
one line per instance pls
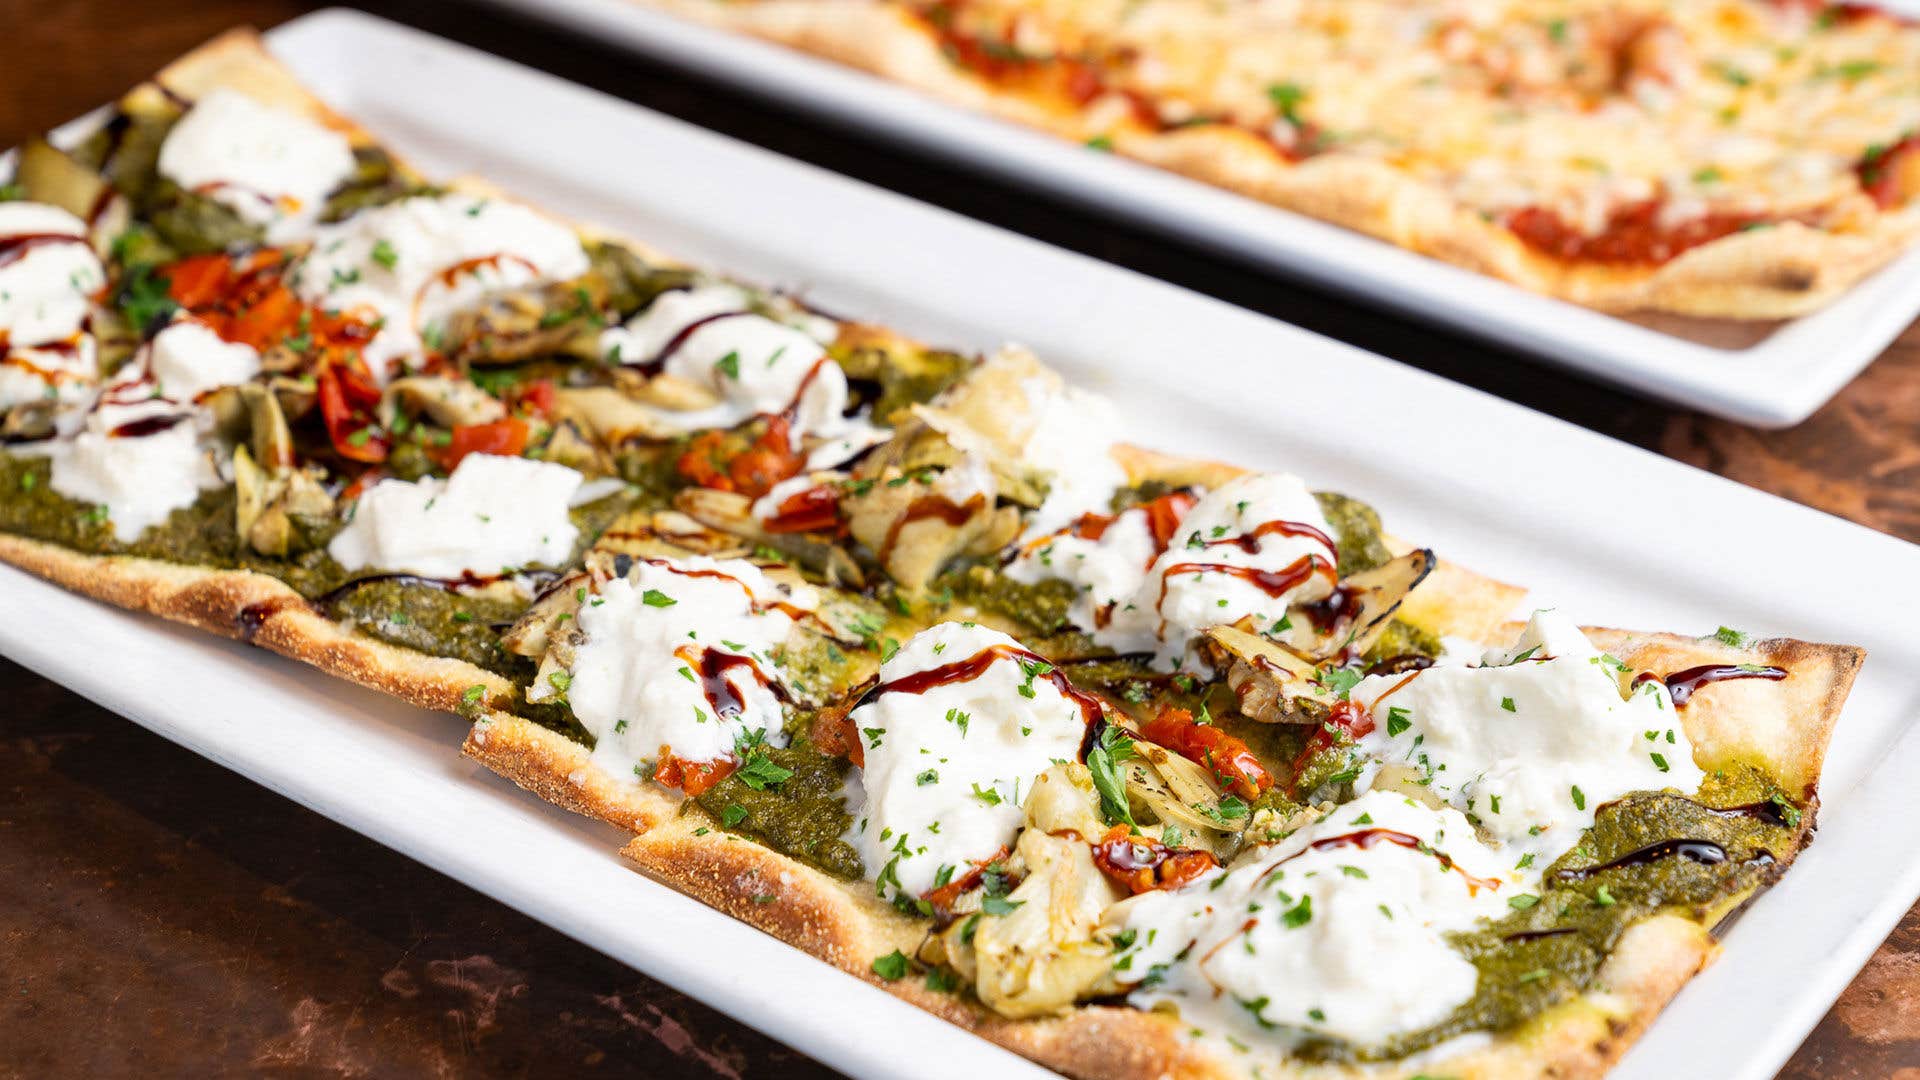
(1039, 608)
(204, 534)
(804, 816)
(430, 619)
(1401, 638)
(1356, 532)
(1547, 953)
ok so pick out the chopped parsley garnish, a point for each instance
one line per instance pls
(892, 966)
(656, 598)
(1113, 747)
(1299, 914)
(1339, 680)
(1397, 720)
(760, 771)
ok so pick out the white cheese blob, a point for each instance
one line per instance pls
(65, 372)
(1531, 745)
(947, 768)
(1338, 931)
(270, 166)
(413, 263)
(638, 679)
(187, 359)
(1255, 547)
(751, 364)
(1208, 575)
(1107, 574)
(492, 514)
(48, 277)
(1072, 446)
(137, 455)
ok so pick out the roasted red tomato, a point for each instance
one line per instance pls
(1143, 864)
(1229, 759)
(506, 437)
(692, 777)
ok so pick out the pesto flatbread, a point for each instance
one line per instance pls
(1136, 764)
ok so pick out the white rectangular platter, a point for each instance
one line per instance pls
(1770, 375)
(1612, 533)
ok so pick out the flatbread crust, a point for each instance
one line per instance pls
(1774, 273)
(1785, 724)
(265, 611)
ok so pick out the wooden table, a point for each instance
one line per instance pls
(162, 915)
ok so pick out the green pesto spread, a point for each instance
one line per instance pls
(204, 534)
(804, 816)
(1548, 948)
(1356, 532)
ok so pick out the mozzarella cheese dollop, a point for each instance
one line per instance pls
(187, 359)
(272, 167)
(47, 282)
(413, 263)
(947, 768)
(1532, 742)
(747, 364)
(137, 455)
(492, 515)
(1254, 547)
(1338, 931)
(1072, 446)
(678, 657)
(1107, 573)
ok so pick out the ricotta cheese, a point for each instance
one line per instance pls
(48, 277)
(680, 656)
(752, 365)
(947, 768)
(411, 264)
(1338, 931)
(1072, 446)
(1253, 548)
(272, 167)
(493, 515)
(187, 359)
(1531, 743)
(1108, 575)
(138, 456)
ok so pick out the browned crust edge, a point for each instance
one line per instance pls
(267, 612)
(1775, 273)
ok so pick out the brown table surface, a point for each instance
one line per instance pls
(164, 916)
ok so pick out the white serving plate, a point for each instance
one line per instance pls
(1618, 535)
(1768, 374)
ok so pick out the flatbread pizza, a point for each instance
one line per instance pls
(1136, 764)
(1745, 159)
